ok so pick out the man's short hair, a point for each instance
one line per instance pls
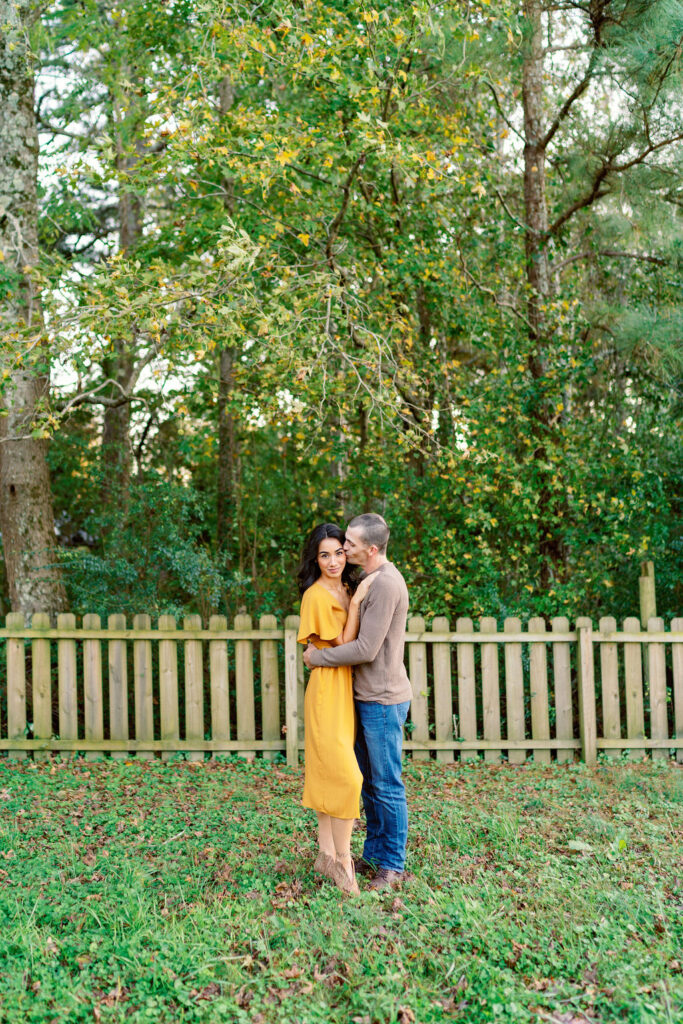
(373, 529)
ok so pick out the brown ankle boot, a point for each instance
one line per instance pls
(347, 883)
(324, 865)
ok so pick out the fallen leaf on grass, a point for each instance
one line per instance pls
(405, 1015)
(209, 991)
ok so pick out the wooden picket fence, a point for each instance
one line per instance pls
(192, 690)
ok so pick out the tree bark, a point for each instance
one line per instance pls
(117, 453)
(26, 515)
(541, 284)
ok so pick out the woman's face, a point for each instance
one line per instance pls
(331, 558)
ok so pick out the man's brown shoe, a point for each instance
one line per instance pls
(386, 879)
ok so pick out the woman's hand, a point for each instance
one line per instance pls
(362, 588)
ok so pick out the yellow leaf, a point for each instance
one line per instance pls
(303, 238)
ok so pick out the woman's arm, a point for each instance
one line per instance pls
(350, 631)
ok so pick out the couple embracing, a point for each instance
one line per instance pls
(354, 720)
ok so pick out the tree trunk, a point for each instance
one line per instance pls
(120, 365)
(227, 450)
(540, 281)
(228, 454)
(26, 515)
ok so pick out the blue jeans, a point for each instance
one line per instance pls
(379, 744)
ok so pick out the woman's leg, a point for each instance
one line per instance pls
(325, 837)
(341, 834)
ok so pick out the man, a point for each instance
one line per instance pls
(382, 696)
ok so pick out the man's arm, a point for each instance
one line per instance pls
(377, 616)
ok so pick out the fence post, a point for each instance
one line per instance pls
(648, 594)
(16, 686)
(586, 678)
(41, 685)
(291, 712)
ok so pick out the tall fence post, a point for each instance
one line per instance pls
(291, 712)
(586, 677)
(648, 594)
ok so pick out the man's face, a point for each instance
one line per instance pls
(357, 552)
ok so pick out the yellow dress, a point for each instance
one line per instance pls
(332, 779)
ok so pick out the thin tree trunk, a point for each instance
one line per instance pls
(540, 280)
(227, 450)
(228, 453)
(26, 515)
(117, 452)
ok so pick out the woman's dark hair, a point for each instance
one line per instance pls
(309, 570)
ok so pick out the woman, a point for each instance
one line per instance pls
(330, 606)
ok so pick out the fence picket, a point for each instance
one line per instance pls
(659, 729)
(142, 671)
(270, 687)
(169, 704)
(118, 686)
(244, 671)
(291, 687)
(633, 676)
(66, 681)
(677, 666)
(514, 690)
(609, 685)
(219, 681)
(538, 689)
(417, 670)
(562, 681)
(490, 688)
(194, 688)
(41, 683)
(586, 683)
(467, 704)
(443, 689)
(16, 686)
(92, 687)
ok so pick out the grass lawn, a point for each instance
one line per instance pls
(183, 892)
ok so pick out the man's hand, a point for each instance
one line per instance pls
(307, 656)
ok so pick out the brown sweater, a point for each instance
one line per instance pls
(377, 653)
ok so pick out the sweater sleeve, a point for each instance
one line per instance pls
(377, 615)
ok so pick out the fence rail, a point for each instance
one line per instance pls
(188, 689)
